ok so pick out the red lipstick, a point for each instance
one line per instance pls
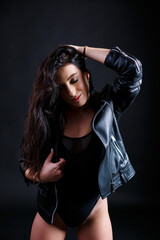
(77, 98)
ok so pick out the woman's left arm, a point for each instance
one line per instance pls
(129, 69)
(128, 81)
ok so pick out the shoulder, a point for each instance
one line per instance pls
(106, 93)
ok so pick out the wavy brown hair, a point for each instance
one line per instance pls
(44, 103)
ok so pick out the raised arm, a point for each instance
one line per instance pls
(97, 54)
(129, 70)
(128, 81)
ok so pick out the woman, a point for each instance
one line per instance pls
(72, 145)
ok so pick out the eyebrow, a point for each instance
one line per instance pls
(71, 76)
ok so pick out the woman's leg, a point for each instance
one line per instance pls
(98, 225)
(41, 230)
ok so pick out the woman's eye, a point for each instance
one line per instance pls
(74, 80)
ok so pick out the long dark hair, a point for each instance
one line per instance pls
(44, 103)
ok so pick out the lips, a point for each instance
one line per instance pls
(77, 98)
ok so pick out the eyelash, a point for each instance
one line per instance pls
(74, 80)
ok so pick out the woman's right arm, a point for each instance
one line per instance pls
(50, 172)
(97, 54)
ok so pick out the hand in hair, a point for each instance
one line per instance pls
(97, 54)
(78, 48)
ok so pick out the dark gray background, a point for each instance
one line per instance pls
(29, 31)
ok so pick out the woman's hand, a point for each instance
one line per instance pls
(97, 54)
(51, 172)
(78, 48)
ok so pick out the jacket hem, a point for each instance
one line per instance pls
(42, 214)
(121, 178)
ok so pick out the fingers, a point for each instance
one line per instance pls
(61, 162)
(58, 169)
(50, 156)
(60, 165)
(51, 172)
(74, 46)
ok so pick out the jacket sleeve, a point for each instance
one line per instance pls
(23, 169)
(127, 84)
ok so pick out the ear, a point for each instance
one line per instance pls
(87, 75)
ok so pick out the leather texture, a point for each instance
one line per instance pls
(115, 168)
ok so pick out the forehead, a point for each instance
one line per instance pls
(66, 71)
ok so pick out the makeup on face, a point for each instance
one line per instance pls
(73, 84)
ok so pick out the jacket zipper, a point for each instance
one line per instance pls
(56, 204)
(120, 152)
(116, 145)
(112, 180)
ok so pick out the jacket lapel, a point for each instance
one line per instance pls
(102, 122)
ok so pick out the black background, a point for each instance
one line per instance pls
(29, 31)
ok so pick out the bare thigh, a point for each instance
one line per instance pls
(41, 230)
(98, 225)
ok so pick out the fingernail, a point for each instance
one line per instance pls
(51, 149)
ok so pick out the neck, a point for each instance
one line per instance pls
(78, 110)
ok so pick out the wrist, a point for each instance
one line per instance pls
(80, 49)
(33, 178)
(84, 51)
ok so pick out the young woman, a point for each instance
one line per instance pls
(72, 145)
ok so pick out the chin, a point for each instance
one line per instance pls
(79, 104)
(83, 104)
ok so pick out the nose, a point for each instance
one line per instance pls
(71, 91)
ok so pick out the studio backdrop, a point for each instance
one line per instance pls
(29, 31)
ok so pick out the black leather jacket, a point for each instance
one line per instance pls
(115, 168)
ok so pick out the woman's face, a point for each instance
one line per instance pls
(73, 84)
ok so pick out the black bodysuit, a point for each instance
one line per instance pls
(78, 190)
